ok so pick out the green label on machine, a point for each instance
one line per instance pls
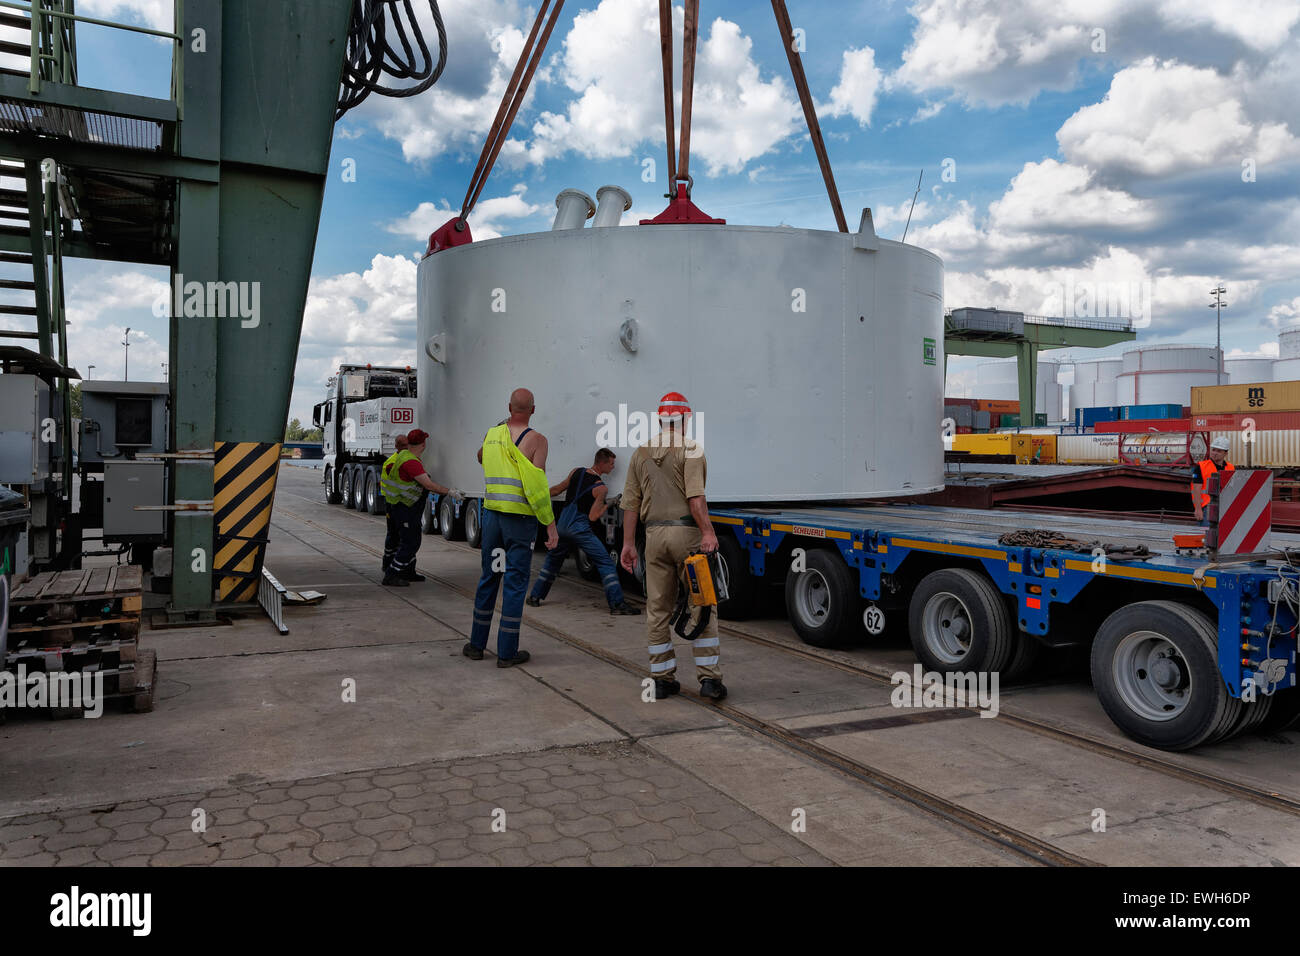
(929, 352)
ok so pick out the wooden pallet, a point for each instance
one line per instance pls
(133, 686)
(61, 605)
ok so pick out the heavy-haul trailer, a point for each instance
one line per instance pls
(1183, 652)
(366, 408)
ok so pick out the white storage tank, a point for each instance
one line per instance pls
(813, 359)
(1254, 368)
(1094, 383)
(1288, 343)
(1000, 380)
(1286, 370)
(1165, 374)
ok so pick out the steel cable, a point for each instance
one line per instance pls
(370, 54)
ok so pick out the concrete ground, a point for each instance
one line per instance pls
(364, 736)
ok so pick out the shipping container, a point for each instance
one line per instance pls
(957, 402)
(1040, 419)
(961, 414)
(963, 430)
(1149, 411)
(1009, 421)
(1032, 449)
(1086, 417)
(1263, 421)
(1140, 426)
(1268, 449)
(983, 421)
(1256, 397)
(1087, 449)
(998, 406)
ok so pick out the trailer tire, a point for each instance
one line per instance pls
(1183, 705)
(359, 488)
(452, 528)
(824, 602)
(428, 519)
(1284, 712)
(349, 478)
(332, 496)
(1027, 651)
(472, 518)
(958, 621)
(375, 501)
(1251, 714)
(741, 585)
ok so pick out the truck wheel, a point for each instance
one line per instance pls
(958, 621)
(359, 488)
(1024, 657)
(1284, 712)
(586, 567)
(332, 496)
(823, 602)
(452, 528)
(473, 523)
(741, 585)
(428, 520)
(375, 502)
(349, 478)
(1155, 669)
(1251, 715)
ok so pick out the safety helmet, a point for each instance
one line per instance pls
(1220, 444)
(673, 407)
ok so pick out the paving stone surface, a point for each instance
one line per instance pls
(613, 804)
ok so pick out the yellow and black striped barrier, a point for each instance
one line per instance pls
(244, 486)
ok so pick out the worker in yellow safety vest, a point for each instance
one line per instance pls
(1201, 471)
(516, 498)
(403, 481)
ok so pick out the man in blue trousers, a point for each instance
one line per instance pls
(584, 503)
(516, 498)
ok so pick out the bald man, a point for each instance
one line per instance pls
(516, 498)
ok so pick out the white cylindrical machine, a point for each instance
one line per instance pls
(1240, 371)
(1288, 343)
(1094, 383)
(573, 208)
(1165, 374)
(1286, 370)
(813, 360)
(611, 203)
(1000, 380)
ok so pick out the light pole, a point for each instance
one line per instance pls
(90, 369)
(126, 360)
(1218, 305)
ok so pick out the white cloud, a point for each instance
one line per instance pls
(859, 84)
(156, 14)
(1050, 196)
(1165, 117)
(375, 308)
(487, 221)
(1285, 314)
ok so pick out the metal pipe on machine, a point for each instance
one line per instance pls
(611, 203)
(573, 209)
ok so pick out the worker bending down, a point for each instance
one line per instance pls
(665, 490)
(584, 503)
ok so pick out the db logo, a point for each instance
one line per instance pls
(403, 416)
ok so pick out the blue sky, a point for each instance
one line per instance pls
(1095, 144)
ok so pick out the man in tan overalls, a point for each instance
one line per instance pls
(665, 489)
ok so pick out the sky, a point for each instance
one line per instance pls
(1068, 149)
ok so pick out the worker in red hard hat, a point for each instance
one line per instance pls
(665, 490)
(1201, 471)
(403, 482)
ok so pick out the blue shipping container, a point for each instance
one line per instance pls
(1087, 417)
(1129, 412)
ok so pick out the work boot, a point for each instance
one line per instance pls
(711, 689)
(395, 581)
(624, 608)
(665, 688)
(532, 601)
(520, 657)
(472, 652)
(413, 575)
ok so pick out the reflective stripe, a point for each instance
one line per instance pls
(495, 496)
(661, 648)
(706, 661)
(503, 481)
(512, 620)
(665, 666)
(706, 642)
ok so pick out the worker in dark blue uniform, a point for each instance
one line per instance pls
(584, 503)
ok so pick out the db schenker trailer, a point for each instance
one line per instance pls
(1184, 651)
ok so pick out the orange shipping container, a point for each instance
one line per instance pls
(997, 406)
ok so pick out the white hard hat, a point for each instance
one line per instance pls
(1220, 444)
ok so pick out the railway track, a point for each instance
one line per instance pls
(1024, 845)
(1266, 798)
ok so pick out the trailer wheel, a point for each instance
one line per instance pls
(741, 585)
(375, 502)
(823, 602)
(349, 479)
(1156, 672)
(1284, 712)
(428, 520)
(1251, 714)
(958, 621)
(473, 523)
(1027, 651)
(452, 528)
(359, 488)
(332, 496)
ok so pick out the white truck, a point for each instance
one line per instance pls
(366, 408)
